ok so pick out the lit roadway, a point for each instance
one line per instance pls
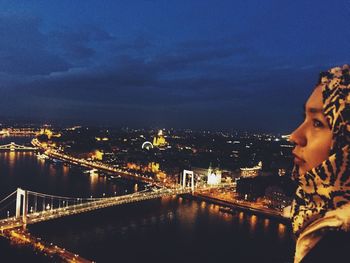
(92, 164)
(23, 237)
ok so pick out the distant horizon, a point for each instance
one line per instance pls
(23, 123)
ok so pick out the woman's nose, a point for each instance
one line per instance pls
(298, 136)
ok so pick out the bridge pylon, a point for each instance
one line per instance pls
(22, 202)
(190, 174)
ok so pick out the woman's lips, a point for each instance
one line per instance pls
(297, 160)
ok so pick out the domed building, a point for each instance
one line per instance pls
(159, 140)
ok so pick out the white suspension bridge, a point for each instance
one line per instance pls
(16, 147)
(23, 207)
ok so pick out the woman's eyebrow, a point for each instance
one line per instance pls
(314, 110)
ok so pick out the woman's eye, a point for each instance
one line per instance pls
(317, 123)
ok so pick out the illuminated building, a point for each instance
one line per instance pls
(161, 176)
(133, 166)
(98, 155)
(159, 140)
(251, 171)
(214, 176)
(4, 132)
(281, 172)
(276, 197)
(286, 137)
(153, 167)
(73, 128)
(48, 133)
(101, 139)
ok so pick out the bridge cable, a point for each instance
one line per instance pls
(1, 209)
(8, 196)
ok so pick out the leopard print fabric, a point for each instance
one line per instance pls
(327, 186)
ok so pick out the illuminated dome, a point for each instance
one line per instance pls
(159, 140)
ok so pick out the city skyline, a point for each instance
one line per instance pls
(247, 66)
(56, 177)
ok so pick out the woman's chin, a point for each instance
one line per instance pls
(302, 171)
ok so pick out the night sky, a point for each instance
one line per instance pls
(223, 64)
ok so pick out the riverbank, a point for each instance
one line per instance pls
(54, 253)
(235, 206)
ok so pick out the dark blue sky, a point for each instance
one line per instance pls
(187, 63)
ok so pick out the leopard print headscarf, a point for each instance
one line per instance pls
(327, 186)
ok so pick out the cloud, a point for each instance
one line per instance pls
(27, 51)
(23, 48)
(142, 81)
(70, 74)
(181, 60)
(79, 43)
(138, 44)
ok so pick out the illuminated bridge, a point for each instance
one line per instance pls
(16, 147)
(18, 131)
(24, 207)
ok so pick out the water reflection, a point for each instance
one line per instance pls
(65, 170)
(41, 162)
(266, 224)
(52, 170)
(166, 200)
(240, 218)
(281, 231)
(11, 157)
(93, 181)
(214, 208)
(189, 214)
(153, 226)
(252, 224)
(227, 217)
(170, 216)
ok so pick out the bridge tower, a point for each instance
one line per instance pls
(12, 146)
(22, 201)
(184, 178)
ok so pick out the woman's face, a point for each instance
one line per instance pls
(313, 138)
